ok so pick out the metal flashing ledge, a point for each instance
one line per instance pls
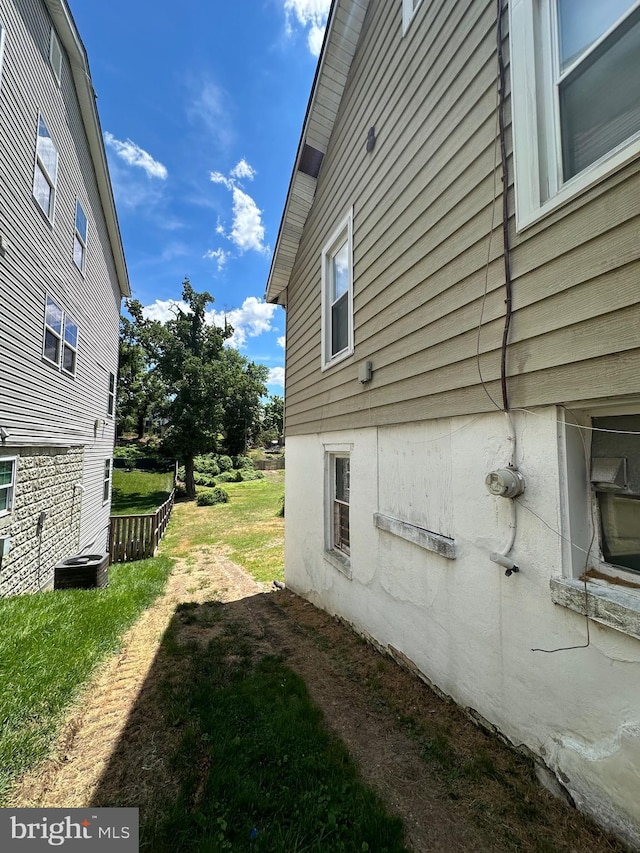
(614, 606)
(421, 537)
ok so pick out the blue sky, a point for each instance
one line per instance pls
(201, 105)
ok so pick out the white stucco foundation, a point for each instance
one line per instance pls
(466, 626)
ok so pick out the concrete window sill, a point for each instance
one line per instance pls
(420, 536)
(609, 604)
(339, 561)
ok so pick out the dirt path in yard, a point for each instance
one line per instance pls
(455, 788)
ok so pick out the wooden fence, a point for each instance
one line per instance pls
(134, 537)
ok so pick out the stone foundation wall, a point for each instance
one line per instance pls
(47, 480)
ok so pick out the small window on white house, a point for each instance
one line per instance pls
(60, 345)
(53, 323)
(7, 484)
(337, 294)
(55, 55)
(46, 171)
(615, 478)
(340, 480)
(106, 487)
(575, 95)
(408, 9)
(111, 397)
(1, 49)
(80, 238)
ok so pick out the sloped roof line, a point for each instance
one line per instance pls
(344, 23)
(70, 38)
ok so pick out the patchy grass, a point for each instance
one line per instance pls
(247, 528)
(50, 643)
(268, 775)
(137, 492)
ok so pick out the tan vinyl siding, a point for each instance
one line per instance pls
(424, 249)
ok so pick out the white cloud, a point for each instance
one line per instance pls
(250, 320)
(219, 256)
(276, 376)
(243, 170)
(247, 230)
(163, 310)
(311, 15)
(282, 341)
(209, 105)
(133, 155)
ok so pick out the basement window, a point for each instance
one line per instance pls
(337, 507)
(7, 484)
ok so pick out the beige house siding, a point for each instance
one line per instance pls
(428, 242)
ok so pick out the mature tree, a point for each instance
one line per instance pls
(244, 388)
(186, 352)
(273, 419)
(141, 391)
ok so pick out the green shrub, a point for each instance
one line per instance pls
(128, 454)
(229, 477)
(204, 479)
(242, 462)
(211, 497)
(182, 473)
(207, 464)
(250, 474)
(280, 512)
(225, 463)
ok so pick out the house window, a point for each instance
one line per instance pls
(408, 9)
(46, 172)
(55, 55)
(1, 49)
(60, 345)
(340, 483)
(575, 96)
(7, 484)
(80, 238)
(111, 397)
(106, 487)
(615, 478)
(337, 294)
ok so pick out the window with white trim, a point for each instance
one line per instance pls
(80, 238)
(46, 171)
(7, 483)
(55, 55)
(337, 294)
(575, 97)
(106, 487)
(60, 344)
(409, 8)
(340, 478)
(111, 396)
(1, 49)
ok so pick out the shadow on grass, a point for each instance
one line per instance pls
(224, 750)
(132, 503)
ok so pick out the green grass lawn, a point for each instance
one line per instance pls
(137, 492)
(248, 527)
(50, 643)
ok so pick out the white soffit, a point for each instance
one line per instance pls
(344, 24)
(69, 37)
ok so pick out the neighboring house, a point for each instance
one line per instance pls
(62, 276)
(405, 347)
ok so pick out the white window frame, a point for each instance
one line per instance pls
(41, 169)
(80, 240)
(343, 234)
(340, 558)
(106, 481)
(10, 487)
(537, 151)
(55, 55)
(613, 593)
(1, 50)
(111, 396)
(409, 8)
(66, 343)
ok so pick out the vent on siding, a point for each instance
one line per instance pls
(310, 161)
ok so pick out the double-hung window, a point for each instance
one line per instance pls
(80, 238)
(408, 9)
(575, 96)
(106, 482)
(341, 480)
(60, 345)
(1, 49)
(46, 172)
(7, 484)
(337, 294)
(111, 396)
